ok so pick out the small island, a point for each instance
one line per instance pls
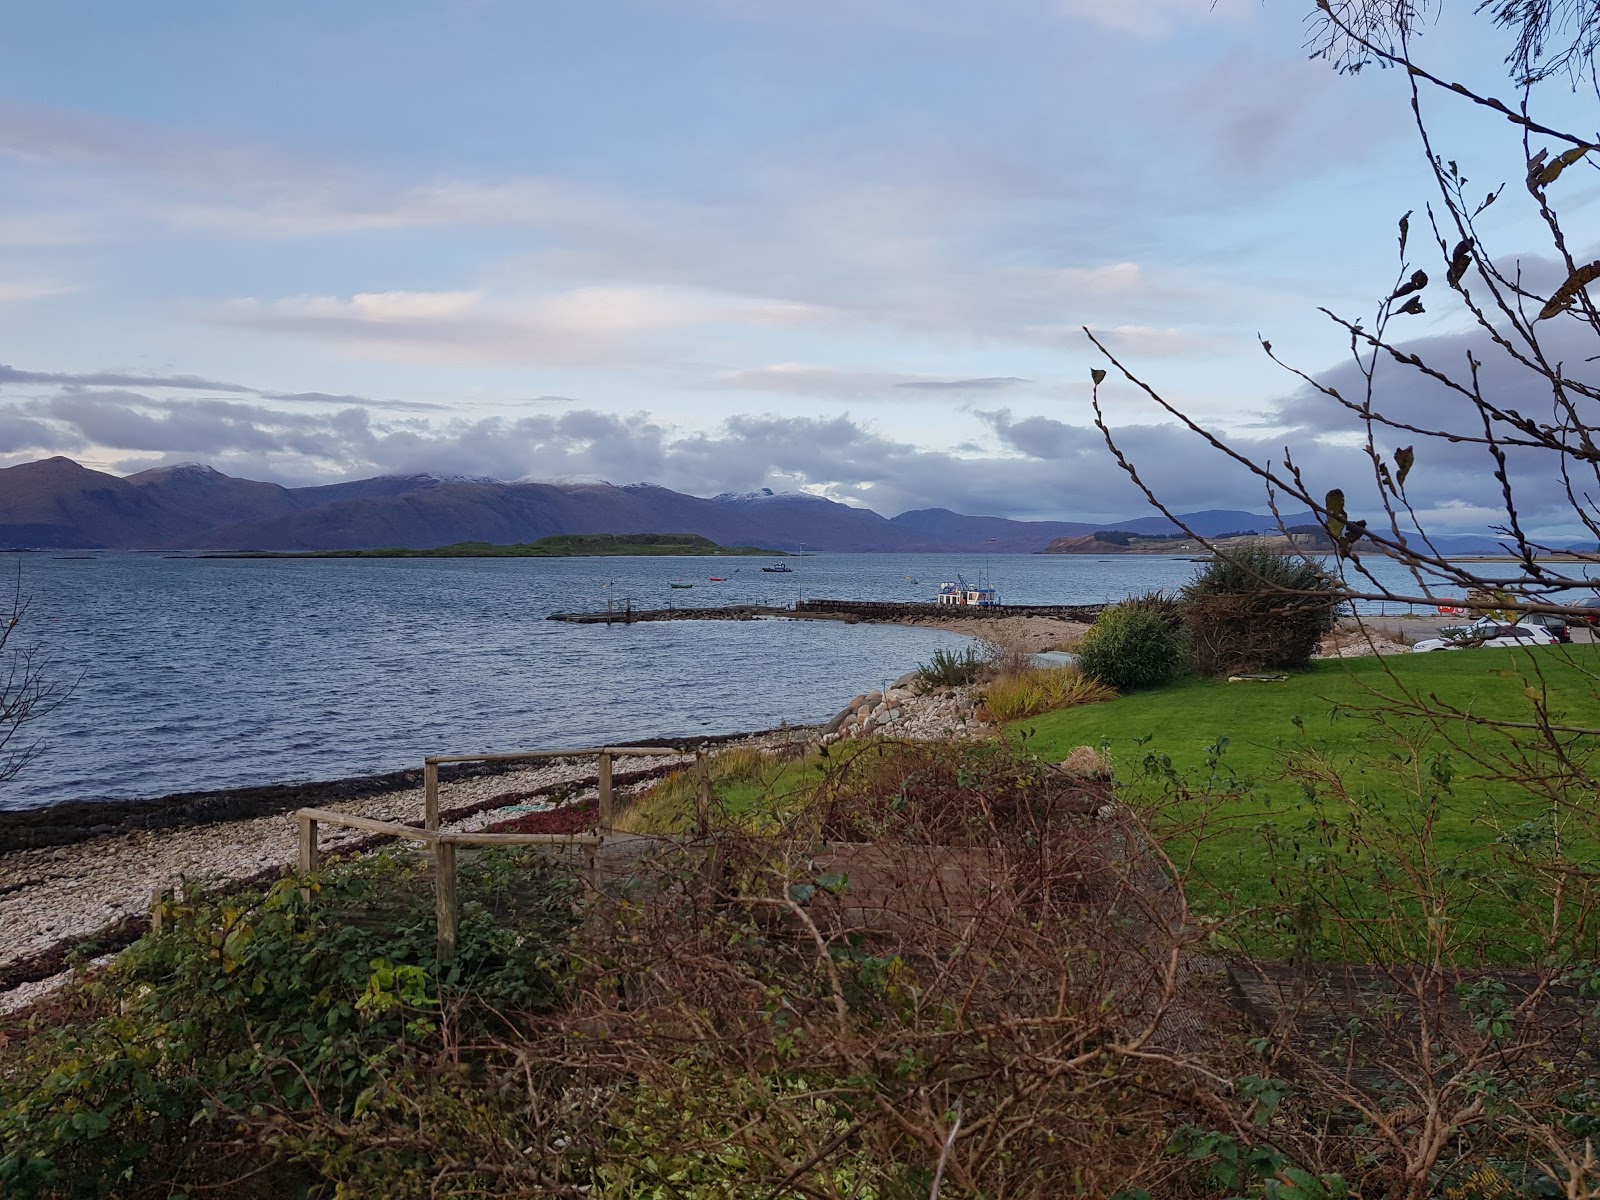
(566, 545)
(1301, 539)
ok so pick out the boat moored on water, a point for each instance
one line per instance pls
(779, 569)
(968, 595)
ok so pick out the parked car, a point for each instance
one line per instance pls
(1591, 611)
(1548, 621)
(1492, 634)
(1555, 624)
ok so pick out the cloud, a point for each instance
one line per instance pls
(1065, 472)
(807, 379)
(1107, 280)
(19, 292)
(587, 325)
(1155, 343)
(9, 375)
(72, 382)
(32, 231)
(341, 208)
(988, 383)
(1141, 340)
(326, 398)
(1037, 466)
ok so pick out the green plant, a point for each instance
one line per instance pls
(1132, 646)
(949, 669)
(261, 1003)
(1040, 690)
(1251, 608)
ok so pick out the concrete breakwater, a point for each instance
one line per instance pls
(629, 615)
(893, 610)
(836, 610)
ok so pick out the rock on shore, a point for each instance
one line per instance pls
(903, 712)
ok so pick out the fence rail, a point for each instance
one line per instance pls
(442, 845)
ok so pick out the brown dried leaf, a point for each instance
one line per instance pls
(1580, 278)
(1460, 260)
(1418, 281)
(1334, 503)
(1550, 173)
(1404, 458)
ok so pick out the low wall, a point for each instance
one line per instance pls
(892, 610)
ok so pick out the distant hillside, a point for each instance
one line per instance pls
(566, 545)
(990, 533)
(56, 503)
(1121, 542)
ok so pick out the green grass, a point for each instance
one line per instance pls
(1243, 777)
(752, 792)
(1285, 802)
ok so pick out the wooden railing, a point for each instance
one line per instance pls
(443, 845)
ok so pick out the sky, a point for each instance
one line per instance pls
(840, 246)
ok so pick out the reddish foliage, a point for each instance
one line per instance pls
(569, 818)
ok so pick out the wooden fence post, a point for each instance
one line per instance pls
(449, 910)
(702, 770)
(607, 799)
(430, 795)
(310, 856)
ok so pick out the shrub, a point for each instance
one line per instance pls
(1254, 608)
(948, 669)
(1131, 646)
(1005, 655)
(1163, 604)
(259, 1002)
(1030, 693)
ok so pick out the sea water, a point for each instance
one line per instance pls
(196, 674)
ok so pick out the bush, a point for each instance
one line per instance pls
(1254, 608)
(1163, 604)
(1132, 645)
(1030, 693)
(948, 669)
(260, 1003)
(1005, 655)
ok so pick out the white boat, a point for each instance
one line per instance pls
(967, 595)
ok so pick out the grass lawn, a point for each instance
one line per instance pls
(1281, 799)
(1264, 823)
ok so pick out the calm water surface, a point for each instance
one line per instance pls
(222, 673)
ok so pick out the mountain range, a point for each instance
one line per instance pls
(57, 503)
